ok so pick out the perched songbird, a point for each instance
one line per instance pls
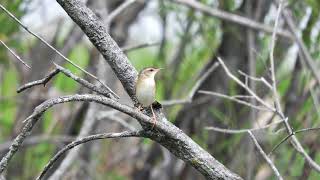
(146, 88)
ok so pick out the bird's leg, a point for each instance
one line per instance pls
(139, 108)
(154, 117)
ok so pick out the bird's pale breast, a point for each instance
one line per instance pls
(145, 91)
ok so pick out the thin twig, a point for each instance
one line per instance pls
(261, 79)
(194, 89)
(129, 48)
(239, 131)
(295, 142)
(290, 135)
(271, 56)
(14, 54)
(264, 155)
(43, 81)
(104, 91)
(85, 140)
(244, 86)
(50, 46)
(303, 49)
(233, 99)
(118, 10)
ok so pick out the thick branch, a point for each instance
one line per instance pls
(164, 132)
(98, 35)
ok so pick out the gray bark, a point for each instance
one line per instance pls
(165, 132)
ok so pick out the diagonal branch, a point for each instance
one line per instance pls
(14, 54)
(98, 35)
(194, 89)
(42, 81)
(47, 44)
(226, 16)
(165, 133)
(104, 90)
(264, 155)
(304, 50)
(244, 86)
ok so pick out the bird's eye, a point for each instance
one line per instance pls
(151, 70)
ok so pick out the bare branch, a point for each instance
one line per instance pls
(234, 99)
(270, 163)
(129, 48)
(194, 89)
(39, 110)
(85, 140)
(14, 54)
(290, 135)
(47, 44)
(104, 91)
(118, 10)
(271, 56)
(243, 21)
(304, 50)
(238, 131)
(43, 81)
(244, 86)
(171, 135)
(165, 133)
(101, 90)
(261, 79)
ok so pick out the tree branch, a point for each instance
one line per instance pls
(14, 54)
(47, 44)
(264, 155)
(226, 16)
(98, 35)
(194, 89)
(164, 132)
(85, 140)
(104, 90)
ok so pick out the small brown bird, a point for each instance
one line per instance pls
(146, 88)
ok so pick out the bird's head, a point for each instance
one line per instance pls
(149, 72)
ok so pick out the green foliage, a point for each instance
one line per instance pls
(80, 56)
(112, 175)
(37, 157)
(8, 106)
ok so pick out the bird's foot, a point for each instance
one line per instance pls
(139, 108)
(153, 117)
(154, 122)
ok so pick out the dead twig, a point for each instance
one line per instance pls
(50, 46)
(14, 54)
(239, 131)
(264, 155)
(194, 89)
